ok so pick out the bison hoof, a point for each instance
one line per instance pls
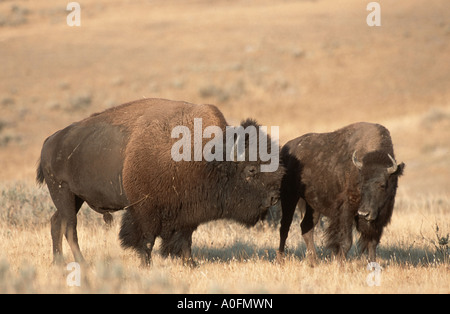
(190, 263)
(58, 260)
(312, 260)
(146, 263)
(280, 258)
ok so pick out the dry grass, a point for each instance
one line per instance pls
(231, 258)
(305, 66)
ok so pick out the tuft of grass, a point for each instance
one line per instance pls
(223, 94)
(22, 205)
(17, 16)
(440, 243)
(80, 101)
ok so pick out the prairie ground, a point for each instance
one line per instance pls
(306, 66)
(413, 255)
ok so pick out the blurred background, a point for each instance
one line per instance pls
(306, 66)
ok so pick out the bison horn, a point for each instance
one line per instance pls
(394, 167)
(356, 162)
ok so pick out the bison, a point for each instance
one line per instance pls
(349, 176)
(121, 159)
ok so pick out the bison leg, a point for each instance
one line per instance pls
(64, 221)
(288, 202)
(370, 237)
(307, 225)
(345, 245)
(71, 230)
(339, 233)
(178, 244)
(132, 236)
(57, 230)
(146, 250)
(71, 233)
(372, 248)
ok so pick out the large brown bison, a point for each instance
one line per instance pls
(122, 158)
(349, 176)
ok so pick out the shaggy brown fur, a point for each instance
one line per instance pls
(121, 159)
(320, 170)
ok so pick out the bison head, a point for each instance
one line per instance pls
(250, 190)
(378, 173)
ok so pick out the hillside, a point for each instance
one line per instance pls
(303, 65)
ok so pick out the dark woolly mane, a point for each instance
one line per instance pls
(249, 121)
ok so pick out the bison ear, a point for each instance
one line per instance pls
(400, 169)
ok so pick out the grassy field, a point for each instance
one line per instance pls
(306, 66)
(414, 256)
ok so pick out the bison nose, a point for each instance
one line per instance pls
(363, 213)
(367, 214)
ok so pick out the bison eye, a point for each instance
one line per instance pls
(250, 171)
(383, 186)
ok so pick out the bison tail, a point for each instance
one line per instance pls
(130, 234)
(39, 174)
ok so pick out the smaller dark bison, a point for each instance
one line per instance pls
(122, 159)
(349, 176)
